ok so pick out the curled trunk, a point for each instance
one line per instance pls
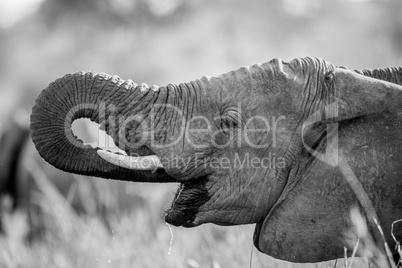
(82, 95)
(393, 75)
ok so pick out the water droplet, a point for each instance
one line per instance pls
(171, 238)
(109, 261)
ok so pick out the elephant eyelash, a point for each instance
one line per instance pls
(230, 118)
(228, 123)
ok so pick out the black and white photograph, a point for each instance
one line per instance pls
(200, 133)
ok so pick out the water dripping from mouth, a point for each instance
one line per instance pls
(171, 238)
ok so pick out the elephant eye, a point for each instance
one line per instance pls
(329, 76)
(227, 123)
(230, 120)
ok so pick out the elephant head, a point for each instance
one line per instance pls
(236, 144)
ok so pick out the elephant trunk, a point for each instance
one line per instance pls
(393, 75)
(82, 95)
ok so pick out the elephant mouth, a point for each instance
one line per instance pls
(187, 202)
(190, 196)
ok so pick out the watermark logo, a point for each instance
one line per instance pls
(198, 132)
(237, 162)
(203, 133)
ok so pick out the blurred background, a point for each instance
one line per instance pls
(54, 219)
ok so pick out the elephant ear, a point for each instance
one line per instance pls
(361, 94)
(308, 222)
(306, 226)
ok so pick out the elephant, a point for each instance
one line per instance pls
(264, 144)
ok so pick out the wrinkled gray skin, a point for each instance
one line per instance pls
(302, 205)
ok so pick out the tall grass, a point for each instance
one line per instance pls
(128, 240)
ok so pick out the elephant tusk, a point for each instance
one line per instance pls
(151, 162)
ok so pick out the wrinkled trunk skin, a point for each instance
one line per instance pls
(393, 75)
(80, 96)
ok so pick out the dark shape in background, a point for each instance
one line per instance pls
(164, 41)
